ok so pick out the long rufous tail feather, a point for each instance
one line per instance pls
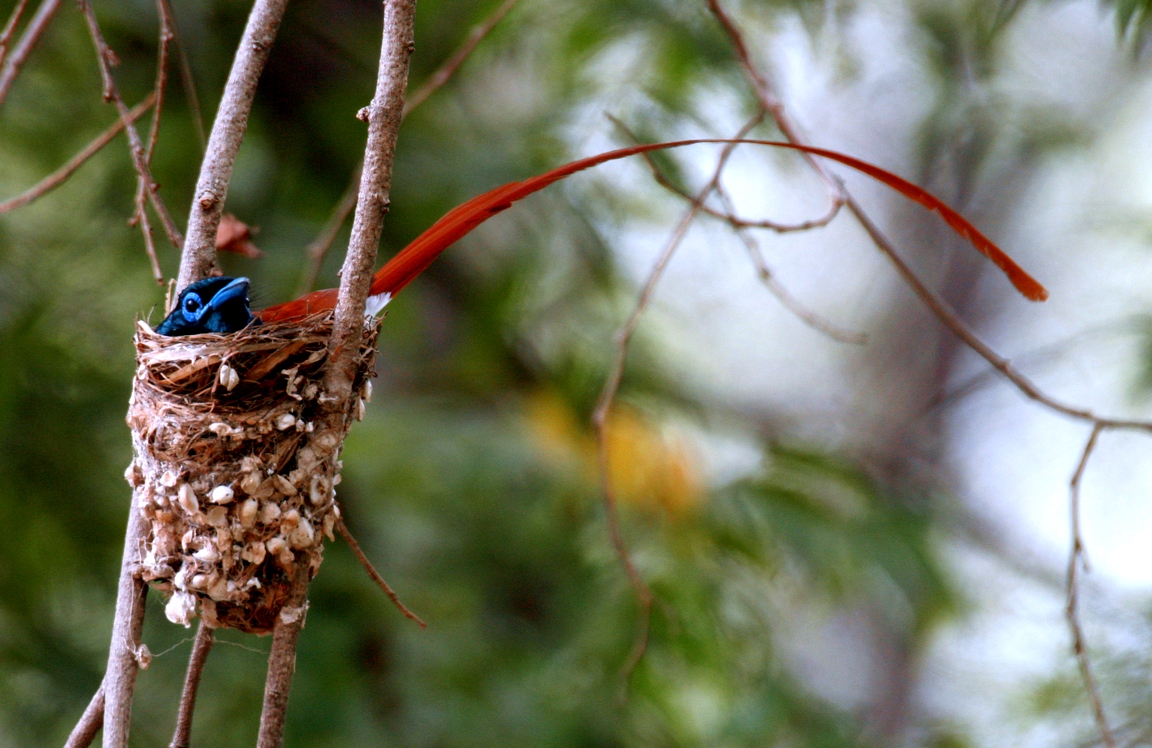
(458, 222)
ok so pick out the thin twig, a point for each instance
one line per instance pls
(105, 58)
(379, 580)
(608, 395)
(90, 722)
(28, 41)
(934, 301)
(1077, 559)
(741, 228)
(782, 294)
(728, 215)
(201, 648)
(140, 217)
(58, 177)
(168, 16)
(10, 28)
(320, 246)
(199, 257)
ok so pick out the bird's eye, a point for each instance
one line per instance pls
(192, 304)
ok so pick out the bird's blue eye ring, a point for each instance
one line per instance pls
(191, 307)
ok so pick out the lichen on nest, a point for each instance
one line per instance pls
(235, 469)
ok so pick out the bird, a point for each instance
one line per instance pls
(217, 305)
(403, 268)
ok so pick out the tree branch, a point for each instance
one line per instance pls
(282, 658)
(28, 41)
(952, 321)
(201, 648)
(1077, 559)
(58, 177)
(379, 580)
(384, 116)
(199, 257)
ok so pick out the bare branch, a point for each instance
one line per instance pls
(199, 258)
(201, 648)
(782, 294)
(140, 217)
(168, 17)
(379, 580)
(10, 28)
(728, 214)
(105, 58)
(384, 116)
(90, 722)
(1077, 559)
(320, 246)
(282, 658)
(741, 226)
(623, 338)
(28, 41)
(58, 177)
(120, 677)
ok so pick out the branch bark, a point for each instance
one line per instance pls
(199, 258)
(385, 114)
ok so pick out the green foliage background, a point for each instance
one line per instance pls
(497, 542)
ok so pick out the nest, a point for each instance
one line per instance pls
(235, 466)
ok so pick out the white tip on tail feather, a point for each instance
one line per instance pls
(376, 304)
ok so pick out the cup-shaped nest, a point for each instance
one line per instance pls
(236, 463)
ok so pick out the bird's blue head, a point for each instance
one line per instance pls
(218, 305)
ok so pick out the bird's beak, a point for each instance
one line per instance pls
(236, 289)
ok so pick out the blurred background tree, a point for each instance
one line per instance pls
(812, 516)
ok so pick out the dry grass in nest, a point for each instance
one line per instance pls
(233, 471)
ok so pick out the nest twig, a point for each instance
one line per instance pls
(235, 485)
